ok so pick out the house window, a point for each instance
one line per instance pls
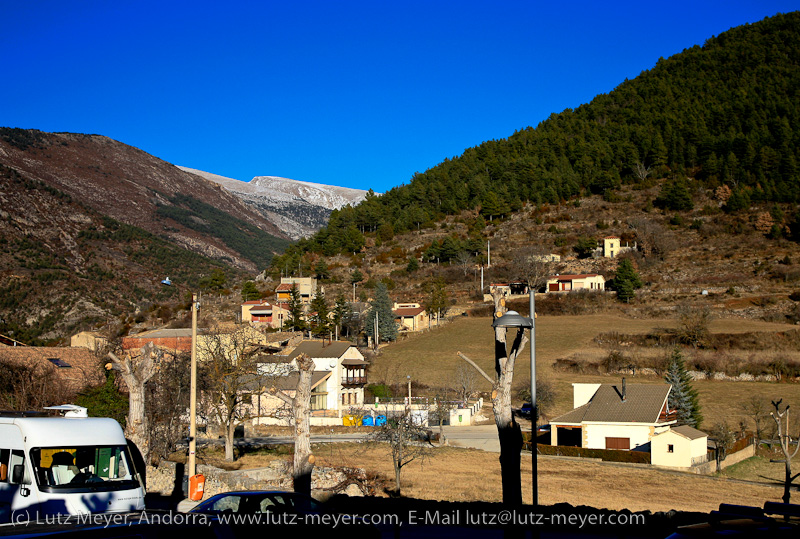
(670, 448)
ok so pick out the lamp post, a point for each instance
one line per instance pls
(512, 319)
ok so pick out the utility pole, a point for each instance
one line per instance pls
(193, 393)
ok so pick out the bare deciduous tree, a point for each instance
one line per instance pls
(465, 382)
(408, 441)
(228, 375)
(136, 371)
(31, 387)
(300, 404)
(533, 264)
(757, 409)
(786, 447)
(654, 240)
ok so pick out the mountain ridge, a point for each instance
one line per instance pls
(299, 208)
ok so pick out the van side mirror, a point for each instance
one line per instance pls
(18, 475)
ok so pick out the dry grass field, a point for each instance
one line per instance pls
(456, 474)
(430, 358)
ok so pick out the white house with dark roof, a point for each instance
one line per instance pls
(614, 416)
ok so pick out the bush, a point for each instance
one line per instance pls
(607, 455)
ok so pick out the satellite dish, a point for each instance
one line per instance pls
(333, 364)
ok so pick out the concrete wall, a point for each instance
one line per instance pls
(167, 478)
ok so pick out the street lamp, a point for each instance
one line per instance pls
(512, 319)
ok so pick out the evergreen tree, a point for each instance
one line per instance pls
(626, 281)
(320, 323)
(250, 291)
(295, 321)
(682, 396)
(381, 307)
(437, 301)
(342, 311)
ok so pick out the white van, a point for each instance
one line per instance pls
(64, 465)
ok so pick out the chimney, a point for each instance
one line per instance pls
(624, 396)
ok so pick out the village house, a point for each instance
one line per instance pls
(411, 316)
(306, 287)
(262, 312)
(572, 283)
(88, 339)
(612, 247)
(338, 381)
(679, 447)
(614, 416)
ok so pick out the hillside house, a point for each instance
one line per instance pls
(89, 340)
(612, 247)
(614, 416)
(410, 316)
(679, 447)
(264, 313)
(306, 287)
(572, 283)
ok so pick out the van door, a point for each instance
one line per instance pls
(16, 489)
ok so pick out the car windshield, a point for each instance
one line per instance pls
(83, 467)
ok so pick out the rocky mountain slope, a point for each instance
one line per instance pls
(89, 227)
(298, 208)
(133, 187)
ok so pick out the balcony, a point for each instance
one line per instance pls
(354, 380)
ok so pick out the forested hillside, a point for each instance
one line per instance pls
(725, 114)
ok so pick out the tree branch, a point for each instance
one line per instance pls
(480, 371)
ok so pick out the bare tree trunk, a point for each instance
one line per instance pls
(135, 372)
(230, 430)
(301, 408)
(508, 429)
(785, 440)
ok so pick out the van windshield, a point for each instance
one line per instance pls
(83, 468)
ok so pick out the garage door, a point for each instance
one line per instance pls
(618, 443)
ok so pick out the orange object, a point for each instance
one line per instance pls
(197, 484)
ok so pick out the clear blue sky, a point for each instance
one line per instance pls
(358, 94)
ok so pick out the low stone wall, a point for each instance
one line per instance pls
(167, 479)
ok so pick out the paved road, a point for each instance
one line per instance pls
(482, 437)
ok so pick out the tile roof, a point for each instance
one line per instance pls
(320, 349)
(409, 311)
(689, 432)
(643, 404)
(573, 277)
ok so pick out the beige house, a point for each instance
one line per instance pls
(410, 316)
(679, 447)
(306, 286)
(89, 340)
(263, 312)
(614, 416)
(572, 283)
